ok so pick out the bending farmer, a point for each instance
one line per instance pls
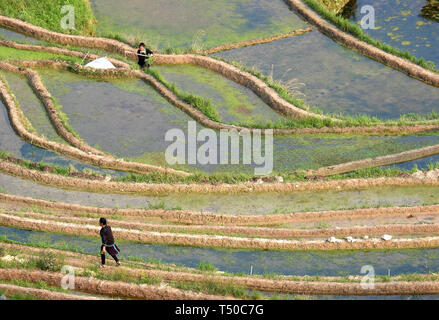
(143, 54)
(107, 242)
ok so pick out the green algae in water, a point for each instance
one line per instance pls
(399, 23)
(298, 263)
(194, 23)
(336, 79)
(234, 103)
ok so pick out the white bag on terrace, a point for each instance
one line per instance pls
(100, 63)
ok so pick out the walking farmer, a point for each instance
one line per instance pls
(108, 244)
(143, 54)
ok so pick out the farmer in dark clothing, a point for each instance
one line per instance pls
(107, 242)
(143, 54)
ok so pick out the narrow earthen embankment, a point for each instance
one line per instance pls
(362, 47)
(217, 241)
(55, 180)
(211, 219)
(107, 288)
(41, 294)
(106, 162)
(236, 45)
(235, 231)
(382, 161)
(281, 284)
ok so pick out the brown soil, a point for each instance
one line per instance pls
(376, 162)
(162, 189)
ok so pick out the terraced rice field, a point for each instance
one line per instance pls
(352, 151)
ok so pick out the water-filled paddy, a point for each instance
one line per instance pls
(234, 103)
(261, 203)
(195, 23)
(336, 79)
(130, 120)
(298, 263)
(32, 107)
(11, 143)
(18, 37)
(399, 23)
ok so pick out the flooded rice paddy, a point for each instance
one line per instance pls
(400, 23)
(198, 24)
(336, 79)
(261, 203)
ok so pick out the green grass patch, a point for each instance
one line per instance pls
(47, 14)
(200, 103)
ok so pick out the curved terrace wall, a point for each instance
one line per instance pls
(281, 284)
(41, 294)
(195, 113)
